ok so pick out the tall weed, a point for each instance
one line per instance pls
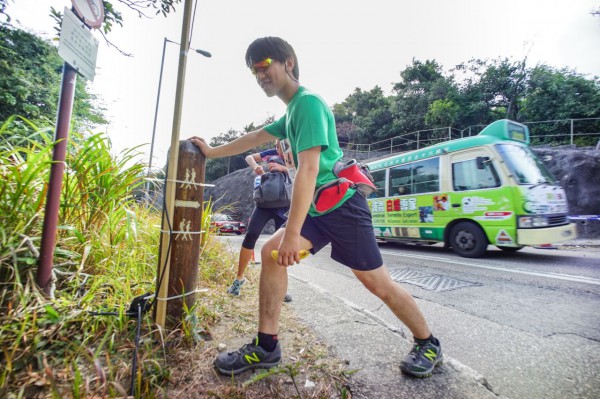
(106, 254)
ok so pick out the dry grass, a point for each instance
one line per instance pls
(306, 361)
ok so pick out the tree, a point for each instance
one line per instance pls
(560, 94)
(442, 113)
(30, 75)
(490, 90)
(219, 167)
(422, 84)
(503, 84)
(364, 115)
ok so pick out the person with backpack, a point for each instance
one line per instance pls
(262, 213)
(338, 215)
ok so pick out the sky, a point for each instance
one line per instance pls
(340, 44)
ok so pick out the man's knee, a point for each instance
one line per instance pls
(266, 249)
(377, 282)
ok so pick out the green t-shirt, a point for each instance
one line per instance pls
(307, 123)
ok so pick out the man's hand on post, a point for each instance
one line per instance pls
(202, 145)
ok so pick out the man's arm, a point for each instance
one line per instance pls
(237, 146)
(302, 194)
(252, 161)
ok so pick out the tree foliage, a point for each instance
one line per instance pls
(219, 167)
(30, 76)
(473, 93)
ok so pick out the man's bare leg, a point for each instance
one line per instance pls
(399, 300)
(273, 284)
(244, 259)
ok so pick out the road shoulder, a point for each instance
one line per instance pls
(375, 349)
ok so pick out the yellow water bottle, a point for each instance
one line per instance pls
(303, 254)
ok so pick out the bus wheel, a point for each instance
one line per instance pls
(511, 249)
(468, 240)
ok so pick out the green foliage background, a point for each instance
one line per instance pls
(30, 76)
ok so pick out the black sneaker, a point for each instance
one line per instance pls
(422, 359)
(249, 356)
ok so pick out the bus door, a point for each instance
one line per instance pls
(478, 194)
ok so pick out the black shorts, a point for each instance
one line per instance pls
(349, 229)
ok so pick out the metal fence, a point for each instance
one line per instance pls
(582, 132)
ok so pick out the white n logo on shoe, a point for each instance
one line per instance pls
(253, 358)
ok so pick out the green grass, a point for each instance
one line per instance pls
(106, 254)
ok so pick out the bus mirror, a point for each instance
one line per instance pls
(480, 162)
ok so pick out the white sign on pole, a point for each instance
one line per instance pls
(77, 46)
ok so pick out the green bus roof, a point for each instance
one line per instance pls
(501, 130)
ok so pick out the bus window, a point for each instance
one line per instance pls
(466, 176)
(426, 176)
(400, 180)
(415, 178)
(524, 166)
(379, 180)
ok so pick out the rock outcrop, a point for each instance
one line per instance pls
(578, 171)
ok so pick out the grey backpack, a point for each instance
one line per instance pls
(274, 190)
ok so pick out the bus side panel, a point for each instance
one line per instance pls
(407, 217)
(493, 209)
(426, 216)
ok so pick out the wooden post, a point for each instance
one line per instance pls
(168, 213)
(186, 232)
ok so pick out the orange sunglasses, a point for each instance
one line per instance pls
(261, 66)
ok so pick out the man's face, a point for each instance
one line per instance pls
(270, 75)
(278, 148)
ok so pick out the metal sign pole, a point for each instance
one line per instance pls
(63, 122)
(78, 48)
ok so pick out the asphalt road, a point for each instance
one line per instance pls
(523, 325)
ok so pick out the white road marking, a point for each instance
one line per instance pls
(557, 276)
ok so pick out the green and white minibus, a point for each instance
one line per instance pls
(469, 193)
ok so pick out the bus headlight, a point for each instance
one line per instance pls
(528, 222)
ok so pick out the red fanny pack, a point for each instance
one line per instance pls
(358, 174)
(330, 194)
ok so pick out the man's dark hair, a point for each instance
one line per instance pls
(273, 47)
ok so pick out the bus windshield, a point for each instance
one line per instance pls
(524, 165)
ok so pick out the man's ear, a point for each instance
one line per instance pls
(289, 64)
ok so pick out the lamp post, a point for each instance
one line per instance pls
(162, 64)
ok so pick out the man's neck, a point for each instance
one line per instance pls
(288, 92)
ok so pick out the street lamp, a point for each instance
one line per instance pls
(162, 63)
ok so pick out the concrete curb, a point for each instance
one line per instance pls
(374, 348)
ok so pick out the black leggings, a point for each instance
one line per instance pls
(258, 220)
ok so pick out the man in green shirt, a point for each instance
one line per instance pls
(308, 129)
